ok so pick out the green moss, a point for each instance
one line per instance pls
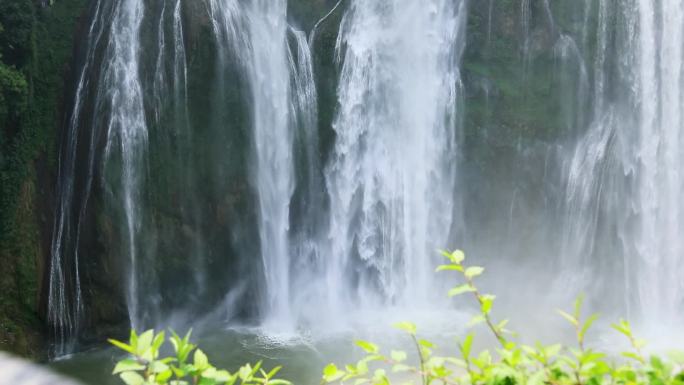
(36, 45)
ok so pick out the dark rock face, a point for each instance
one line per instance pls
(35, 52)
(522, 98)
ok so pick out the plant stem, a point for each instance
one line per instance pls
(422, 359)
(488, 320)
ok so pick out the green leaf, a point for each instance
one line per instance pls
(449, 267)
(127, 365)
(456, 256)
(179, 372)
(398, 356)
(245, 372)
(473, 271)
(408, 327)
(158, 341)
(158, 367)
(273, 372)
(487, 303)
(175, 341)
(640, 343)
(633, 356)
(552, 350)
(132, 378)
(367, 346)
(587, 324)
(122, 346)
(457, 361)
(144, 341)
(623, 327)
(484, 359)
(591, 356)
(458, 290)
(164, 376)
(476, 320)
(400, 368)
(200, 360)
(222, 376)
(537, 378)
(362, 367)
(677, 356)
(568, 317)
(467, 345)
(134, 339)
(206, 381)
(578, 305)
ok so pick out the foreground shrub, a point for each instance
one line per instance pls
(511, 363)
(144, 367)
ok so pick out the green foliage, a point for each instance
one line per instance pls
(36, 44)
(145, 366)
(512, 363)
(13, 96)
(17, 18)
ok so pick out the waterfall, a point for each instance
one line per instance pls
(392, 176)
(191, 162)
(525, 16)
(109, 111)
(273, 172)
(127, 135)
(660, 187)
(65, 297)
(625, 172)
(188, 175)
(283, 100)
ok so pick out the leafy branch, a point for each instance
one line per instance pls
(144, 367)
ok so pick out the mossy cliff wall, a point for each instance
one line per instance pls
(36, 45)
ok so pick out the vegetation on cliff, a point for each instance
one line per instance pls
(35, 48)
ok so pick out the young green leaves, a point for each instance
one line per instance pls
(512, 364)
(144, 367)
(581, 327)
(486, 301)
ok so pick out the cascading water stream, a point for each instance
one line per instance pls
(109, 103)
(625, 181)
(283, 108)
(391, 179)
(64, 294)
(127, 133)
(273, 138)
(659, 239)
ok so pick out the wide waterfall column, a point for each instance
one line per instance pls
(273, 173)
(392, 174)
(659, 240)
(625, 181)
(118, 98)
